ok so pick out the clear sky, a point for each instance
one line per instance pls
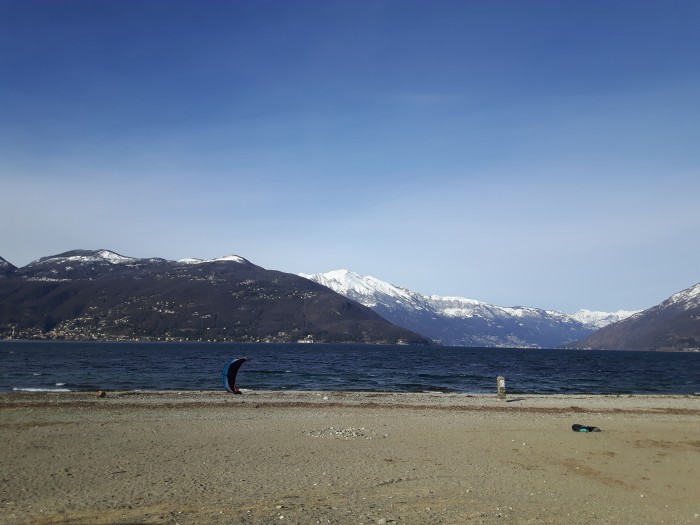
(538, 153)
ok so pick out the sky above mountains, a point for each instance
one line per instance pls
(539, 153)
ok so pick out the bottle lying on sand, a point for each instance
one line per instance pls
(584, 428)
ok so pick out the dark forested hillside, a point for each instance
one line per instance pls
(102, 295)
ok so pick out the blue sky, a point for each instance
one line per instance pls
(539, 153)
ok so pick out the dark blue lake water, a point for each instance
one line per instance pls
(29, 365)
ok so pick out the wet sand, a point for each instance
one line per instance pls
(332, 457)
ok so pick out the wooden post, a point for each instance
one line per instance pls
(501, 387)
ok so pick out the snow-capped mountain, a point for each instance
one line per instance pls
(673, 324)
(100, 294)
(226, 258)
(109, 257)
(687, 299)
(459, 321)
(597, 320)
(81, 264)
(84, 257)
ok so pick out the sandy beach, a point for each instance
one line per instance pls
(338, 457)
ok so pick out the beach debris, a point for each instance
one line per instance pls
(583, 428)
(345, 433)
(101, 393)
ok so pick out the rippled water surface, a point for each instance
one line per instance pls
(28, 365)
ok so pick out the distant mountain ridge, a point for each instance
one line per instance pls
(5, 267)
(673, 324)
(100, 294)
(597, 320)
(458, 321)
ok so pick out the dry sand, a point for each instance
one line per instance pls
(331, 457)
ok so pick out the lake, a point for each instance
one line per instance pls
(76, 366)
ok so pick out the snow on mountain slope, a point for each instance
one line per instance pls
(673, 324)
(226, 258)
(687, 299)
(90, 264)
(85, 256)
(600, 319)
(456, 321)
(366, 290)
(110, 257)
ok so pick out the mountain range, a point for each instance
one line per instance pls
(99, 294)
(458, 321)
(673, 324)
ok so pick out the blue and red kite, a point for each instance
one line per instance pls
(228, 374)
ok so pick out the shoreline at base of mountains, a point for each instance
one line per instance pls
(432, 344)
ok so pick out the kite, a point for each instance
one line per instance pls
(228, 374)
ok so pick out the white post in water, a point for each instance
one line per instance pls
(501, 386)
